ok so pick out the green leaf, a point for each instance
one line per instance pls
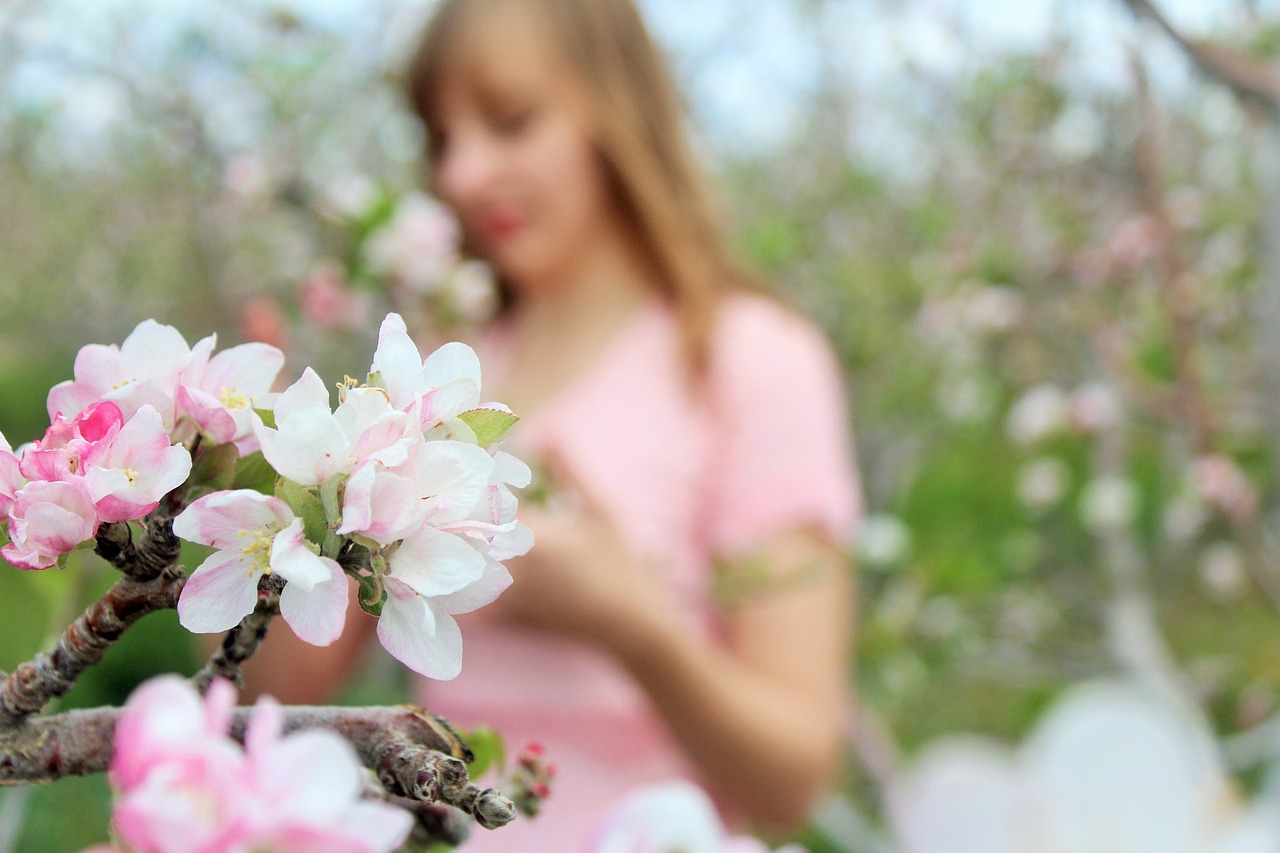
(489, 425)
(214, 466)
(372, 594)
(488, 748)
(268, 417)
(254, 472)
(305, 505)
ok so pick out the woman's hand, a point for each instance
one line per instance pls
(581, 577)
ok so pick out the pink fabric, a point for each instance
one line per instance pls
(686, 479)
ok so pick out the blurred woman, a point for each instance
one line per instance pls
(686, 609)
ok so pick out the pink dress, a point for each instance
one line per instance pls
(687, 479)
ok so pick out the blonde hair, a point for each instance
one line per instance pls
(641, 138)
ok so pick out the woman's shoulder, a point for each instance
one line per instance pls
(756, 332)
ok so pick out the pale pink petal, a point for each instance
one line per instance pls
(207, 412)
(660, 818)
(451, 362)
(244, 370)
(219, 594)
(294, 561)
(47, 520)
(307, 777)
(308, 448)
(425, 640)
(383, 506)
(432, 562)
(448, 401)
(475, 595)
(510, 470)
(399, 362)
(317, 615)
(455, 475)
(220, 519)
(308, 393)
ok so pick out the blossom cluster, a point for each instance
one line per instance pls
(402, 485)
(183, 784)
(114, 446)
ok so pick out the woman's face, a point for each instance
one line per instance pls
(513, 154)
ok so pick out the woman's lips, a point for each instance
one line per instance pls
(496, 227)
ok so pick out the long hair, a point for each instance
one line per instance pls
(642, 141)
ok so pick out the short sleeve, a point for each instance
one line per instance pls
(784, 449)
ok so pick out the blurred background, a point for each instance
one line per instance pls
(1042, 236)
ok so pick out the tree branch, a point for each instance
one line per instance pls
(241, 642)
(51, 674)
(415, 755)
(1253, 78)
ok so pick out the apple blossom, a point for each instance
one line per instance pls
(138, 466)
(49, 518)
(310, 443)
(255, 535)
(141, 371)
(418, 247)
(63, 451)
(184, 785)
(218, 394)
(11, 478)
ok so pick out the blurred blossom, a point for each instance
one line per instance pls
(1077, 134)
(1110, 768)
(1220, 482)
(1025, 615)
(1186, 206)
(967, 399)
(1223, 575)
(418, 247)
(262, 319)
(1108, 504)
(1091, 267)
(247, 179)
(328, 301)
(1134, 241)
(1185, 516)
(941, 617)
(903, 674)
(899, 605)
(1095, 407)
(1042, 482)
(1038, 414)
(976, 308)
(883, 539)
(473, 292)
(1224, 252)
(348, 197)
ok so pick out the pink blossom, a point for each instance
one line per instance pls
(447, 382)
(310, 443)
(67, 445)
(262, 319)
(418, 247)
(1219, 481)
(183, 786)
(141, 371)
(329, 302)
(254, 535)
(11, 478)
(218, 394)
(417, 626)
(49, 519)
(130, 474)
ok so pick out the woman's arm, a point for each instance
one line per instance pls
(759, 715)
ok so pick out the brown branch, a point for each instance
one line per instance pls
(241, 642)
(415, 755)
(49, 675)
(142, 560)
(1181, 302)
(1249, 76)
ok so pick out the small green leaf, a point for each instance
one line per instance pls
(489, 425)
(372, 594)
(305, 505)
(375, 380)
(214, 466)
(488, 748)
(254, 472)
(268, 417)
